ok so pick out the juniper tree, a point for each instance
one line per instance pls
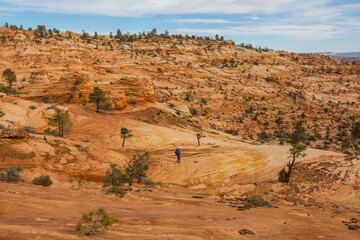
(299, 133)
(1, 113)
(137, 167)
(98, 97)
(9, 76)
(198, 136)
(296, 151)
(125, 134)
(61, 120)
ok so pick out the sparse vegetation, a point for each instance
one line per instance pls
(199, 136)
(43, 181)
(296, 151)
(256, 201)
(61, 120)
(134, 169)
(9, 76)
(12, 174)
(98, 97)
(95, 222)
(118, 191)
(125, 134)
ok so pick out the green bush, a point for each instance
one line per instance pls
(118, 191)
(115, 176)
(12, 174)
(256, 201)
(77, 82)
(95, 222)
(43, 181)
(32, 107)
(282, 175)
(46, 99)
(147, 182)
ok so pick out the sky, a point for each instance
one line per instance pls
(291, 25)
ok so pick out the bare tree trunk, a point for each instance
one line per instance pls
(198, 141)
(97, 106)
(290, 166)
(123, 143)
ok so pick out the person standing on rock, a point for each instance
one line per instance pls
(178, 153)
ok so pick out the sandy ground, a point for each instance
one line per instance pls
(31, 212)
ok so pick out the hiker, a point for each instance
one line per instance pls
(178, 152)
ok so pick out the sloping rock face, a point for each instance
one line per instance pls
(76, 87)
(226, 87)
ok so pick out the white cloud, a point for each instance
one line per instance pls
(298, 32)
(352, 6)
(6, 14)
(136, 8)
(298, 19)
(205, 21)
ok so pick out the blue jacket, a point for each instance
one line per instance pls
(177, 151)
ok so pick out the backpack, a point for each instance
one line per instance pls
(177, 151)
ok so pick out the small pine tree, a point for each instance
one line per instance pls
(118, 34)
(125, 134)
(299, 133)
(61, 120)
(98, 97)
(199, 136)
(137, 167)
(9, 76)
(296, 151)
(2, 113)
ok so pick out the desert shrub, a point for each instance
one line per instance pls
(256, 201)
(81, 148)
(118, 191)
(8, 90)
(52, 107)
(43, 181)
(147, 182)
(115, 176)
(134, 169)
(232, 132)
(264, 135)
(32, 107)
(83, 101)
(106, 106)
(282, 175)
(12, 174)
(74, 88)
(148, 121)
(46, 99)
(29, 129)
(356, 130)
(77, 82)
(193, 112)
(95, 222)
